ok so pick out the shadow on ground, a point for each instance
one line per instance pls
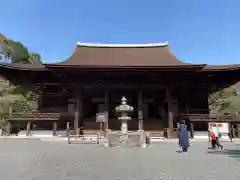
(233, 153)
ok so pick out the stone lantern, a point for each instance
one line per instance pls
(124, 138)
(124, 109)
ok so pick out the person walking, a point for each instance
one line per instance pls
(183, 137)
(215, 136)
(213, 140)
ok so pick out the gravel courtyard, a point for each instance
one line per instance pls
(37, 160)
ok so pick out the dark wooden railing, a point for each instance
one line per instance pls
(54, 117)
(208, 117)
(36, 116)
(57, 116)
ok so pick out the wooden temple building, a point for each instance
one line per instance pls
(161, 88)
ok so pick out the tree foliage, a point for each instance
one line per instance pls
(224, 102)
(16, 98)
(15, 52)
(2, 37)
(35, 58)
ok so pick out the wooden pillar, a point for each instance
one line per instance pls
(169, 101)
(188, 116)
(54, 128)
(76, 115)
(191, 130)
(28, 128)
(233, 131)
(140, 111)
(78, 112)
(39, 98)
(238, 130)
(67, 128)
(80, 115)
(8, 128)
(106, 96)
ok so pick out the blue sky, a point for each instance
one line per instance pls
(198, 31)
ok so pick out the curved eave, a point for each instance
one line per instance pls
(24, 67)
(44, 67)
(232, 67)
(189, 67)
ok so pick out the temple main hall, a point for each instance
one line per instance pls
(161, 88)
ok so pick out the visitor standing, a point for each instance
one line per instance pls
(183, 137)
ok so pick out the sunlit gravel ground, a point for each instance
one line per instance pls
(37, 160)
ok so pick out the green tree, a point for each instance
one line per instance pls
(17, 98)
(7, 98)
(26, 104)
(15, 52)
(2, 37)
(35, 58)
(2, 40)
(224, 102)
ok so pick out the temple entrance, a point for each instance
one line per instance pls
(115, 97)
(93, 103)
(154, 110)
(152, 102)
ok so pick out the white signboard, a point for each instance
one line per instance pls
(102, 117)
(222, 127)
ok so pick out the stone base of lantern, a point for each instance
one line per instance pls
(130, 139)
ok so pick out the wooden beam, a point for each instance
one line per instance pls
(142, 85)
(33, 119)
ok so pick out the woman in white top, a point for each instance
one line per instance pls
(214, 129)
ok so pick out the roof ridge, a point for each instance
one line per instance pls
(122, 45)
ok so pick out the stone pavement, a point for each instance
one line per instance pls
(32, 159)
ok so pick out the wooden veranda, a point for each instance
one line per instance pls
(64, 121)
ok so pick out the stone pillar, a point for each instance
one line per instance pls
(54, 128)
(28, 128)
(106, 96)
(140, 111)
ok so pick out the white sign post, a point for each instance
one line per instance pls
(101, 118)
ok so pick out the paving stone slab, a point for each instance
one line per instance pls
(24, 159)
